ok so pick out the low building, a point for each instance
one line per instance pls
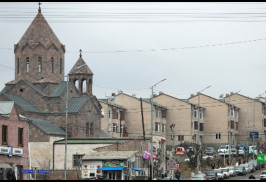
(115, 165)
(14, 140)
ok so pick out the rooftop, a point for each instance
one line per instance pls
(109, 155)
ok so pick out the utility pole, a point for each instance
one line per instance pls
(151, 173)
(172, 126)
(253, 126)
(65, 162)
(199, 139)
(142, 118)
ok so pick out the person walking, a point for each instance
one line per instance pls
(212, 165)
(9, 175)
(178, 174)
(13, 177)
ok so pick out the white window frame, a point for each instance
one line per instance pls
(158, 126)
(122, 129)
(201, 114)
(195, 112)
(163, 127)
(232, 110)
(114, 128)
(218, 136)
(180, 138)
(236, 113)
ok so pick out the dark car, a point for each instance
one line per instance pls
(210, 150)
(211, 175)
(190, 150)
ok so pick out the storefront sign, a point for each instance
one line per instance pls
(43, 172)
(4, 150)
(17, 151)
(113, 163)
(27, 171)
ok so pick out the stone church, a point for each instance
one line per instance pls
(39, 90)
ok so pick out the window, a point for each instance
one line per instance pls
(76, 160)
(201, 115)
(163, 128)
(201, 126)
(180, 137)
(195, 113)
(109, 114)
(232, 124)
(60, 66)
(232, 112)
(4, 134)
(40, 64)
(164, 114)
(122, 115)
(236, 113)
(157, 126)
(52, 65)
(236, 124)
(115, 114)
(218, 136)
(195, 125)
(157, 113)
(28, 64)
(264, 122)
(121, 129)
(114, 127)
(18, 67)
(91, 129)
(20, 136)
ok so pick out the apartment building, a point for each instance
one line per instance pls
(217, 115)
(184, 116)
(251, 117)
(113, 119)
(133, 116)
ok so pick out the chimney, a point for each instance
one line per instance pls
(113, 94)
(120, 91)
(160, 93)
(191, 95)
(227, 95)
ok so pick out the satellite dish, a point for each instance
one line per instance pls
(111, 98)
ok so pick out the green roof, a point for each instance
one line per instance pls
(47, 127)
(60, 89)
(92, 141)
(3, 91)
(154, 103)
(24, 103)
(111, 104)
(35, 88)
(75, 104)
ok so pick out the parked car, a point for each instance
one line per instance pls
(223, 149)
(190, 150)
(220, 174)
(256, 164)
(200, 176)
(241, 170)
(180, 150)
(207, 156)
(242, 151)
(252, 149)
(252, 166)
(211, 175)
(226, 172)
(232, 171)
(210, 150)
(247, 167)
(263, 175)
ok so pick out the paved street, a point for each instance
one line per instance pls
(256, 174)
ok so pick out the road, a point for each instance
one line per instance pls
(256, 174)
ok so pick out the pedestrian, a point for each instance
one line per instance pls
(178, 174)
(13, 177)
(228, 162)
(212, 165)
(1, 174)
(9, 175)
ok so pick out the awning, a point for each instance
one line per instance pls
(111, 168)
(6, 166)
(136, 169)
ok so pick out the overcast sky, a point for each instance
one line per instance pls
(131, 46)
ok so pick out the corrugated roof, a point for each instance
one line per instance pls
(3, 91)
(111, 104)
(47, 127)
(107, 155)
(60, 89)
(24, 103)
(35, 88)
(92, 141)
(75, 104)
(6, 108)
(154, 103)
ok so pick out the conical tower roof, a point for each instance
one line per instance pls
(80, 68)
(39, 31)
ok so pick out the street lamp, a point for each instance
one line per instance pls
(199, 142)
(151, 158)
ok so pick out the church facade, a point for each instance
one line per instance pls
(39, 90)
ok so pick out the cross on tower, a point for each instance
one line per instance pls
(39, 6)
(80, 53)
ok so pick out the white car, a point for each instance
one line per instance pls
(232, 171)
(247, 167)
(220, 174)
(226, 172)
(263, 175)
(207, 156)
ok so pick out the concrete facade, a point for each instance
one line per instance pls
(251, 117)
(216, 119)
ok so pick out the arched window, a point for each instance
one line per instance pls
(60, 66)
(40, 64)
(87, 128)
(76, 83)
(18, 66)
(52, 65)
(83, 86)
(28, 64)
(91, 129)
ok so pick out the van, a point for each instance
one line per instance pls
(180, 150)
(223, 149)
(252, 149)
